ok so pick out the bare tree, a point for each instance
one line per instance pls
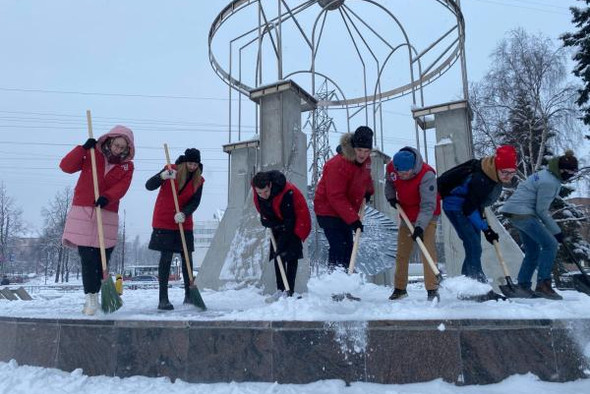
(58, 256)
(10, 226)
(526, 100)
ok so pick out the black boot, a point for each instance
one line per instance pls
(544, 290)
(398, 294)
(163, 274)
(433, 294)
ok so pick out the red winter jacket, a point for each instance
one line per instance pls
(113, 181)
(343, 185)
(302, 216)
(164, 209)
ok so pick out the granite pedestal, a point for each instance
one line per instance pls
(388, 351)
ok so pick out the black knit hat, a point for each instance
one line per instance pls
(362, 138)
(568, 161)
(191, 155)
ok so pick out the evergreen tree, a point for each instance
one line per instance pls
(525, 133)
(570, 219)
(579, 40)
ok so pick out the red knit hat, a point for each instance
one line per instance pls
(505, 158)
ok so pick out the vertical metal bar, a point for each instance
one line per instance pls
(280, 42)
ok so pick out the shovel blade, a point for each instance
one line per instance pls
(581, 283)
(512, 291)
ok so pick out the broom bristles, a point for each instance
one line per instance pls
(110, 299)
(195, 298)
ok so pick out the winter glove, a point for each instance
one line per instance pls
(179, 217)
(490, 235)
(168, 174)
(356, 225)
(90, 142)
(393, 202)
(418, 233)
(559, 237)
(367, 198)
(102, 201)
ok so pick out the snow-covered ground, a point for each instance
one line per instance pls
(15, 379)
(248, 303)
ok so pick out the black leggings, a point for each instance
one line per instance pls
(164, 270)
(92, 267)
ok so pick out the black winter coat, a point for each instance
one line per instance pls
(289, 245)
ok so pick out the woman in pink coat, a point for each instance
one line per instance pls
(114, 152)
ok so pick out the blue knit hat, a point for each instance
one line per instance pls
(404, 160)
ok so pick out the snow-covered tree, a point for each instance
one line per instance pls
(579, 40)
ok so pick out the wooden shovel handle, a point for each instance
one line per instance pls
(103, 255)
(280, 261)
(180, 227)
(431, 263)
(357, 240)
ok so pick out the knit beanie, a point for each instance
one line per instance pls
(362, 138)
(404, 160)
(191, 155)
(568, 161)
(505, 158)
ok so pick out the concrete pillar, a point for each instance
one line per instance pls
(239, 252)
(452, 122)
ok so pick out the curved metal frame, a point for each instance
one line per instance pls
(452, 54)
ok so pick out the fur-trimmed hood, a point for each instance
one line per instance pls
(346, 148)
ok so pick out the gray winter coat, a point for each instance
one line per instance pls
(534, 196)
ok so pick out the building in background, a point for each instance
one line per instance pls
(204, 232)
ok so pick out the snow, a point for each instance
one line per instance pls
(248, 303)
(444, 141)
(15, 379)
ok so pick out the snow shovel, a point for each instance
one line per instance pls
(110, 300)
(510, 290)
(280, 262)
(431, 263)
(581, 281)
(194, 294)
(355, 248)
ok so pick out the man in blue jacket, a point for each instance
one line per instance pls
(528, 211)
(466, 190)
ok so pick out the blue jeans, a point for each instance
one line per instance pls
(471, 238)
(540, 249)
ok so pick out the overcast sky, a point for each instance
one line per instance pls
(144, 64)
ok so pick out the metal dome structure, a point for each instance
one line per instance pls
(369, 52)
